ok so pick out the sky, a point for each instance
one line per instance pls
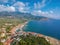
(46, 8)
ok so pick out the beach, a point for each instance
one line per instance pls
(19, 26)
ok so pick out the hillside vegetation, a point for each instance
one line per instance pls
(29, 40)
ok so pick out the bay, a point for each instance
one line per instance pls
(50, 27)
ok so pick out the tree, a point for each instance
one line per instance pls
(8, 28)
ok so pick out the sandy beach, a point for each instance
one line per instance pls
(19, 26)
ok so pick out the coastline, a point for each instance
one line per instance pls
(19, 26)
(23, 26)
(45, 28)
(52, 40)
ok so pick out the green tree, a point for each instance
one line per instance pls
(8, 28)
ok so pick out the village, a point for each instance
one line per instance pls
(7, 38)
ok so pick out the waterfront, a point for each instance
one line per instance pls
(18, 31)
(46, 27)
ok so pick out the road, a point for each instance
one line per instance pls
(20, 26)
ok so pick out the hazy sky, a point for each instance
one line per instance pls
(46, 8)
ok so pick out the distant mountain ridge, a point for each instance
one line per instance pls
(20, 15)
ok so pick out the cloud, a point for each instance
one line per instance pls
(7, 8)
(22, 7)
(3, 1)
(10, 8)
(49, 14)
(19, 4)
(24, 10)
(6, 1)
(39, 12)
(35, 9)
(40, 5)
(51, 11)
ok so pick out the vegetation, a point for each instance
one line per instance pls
(12, 19)
(9, 23)
(30, 40)
(1, 43)
(6, 24)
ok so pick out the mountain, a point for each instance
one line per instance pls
(20, 15)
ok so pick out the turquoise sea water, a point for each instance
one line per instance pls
(46, 27)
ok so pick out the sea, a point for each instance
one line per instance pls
(49, 27)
